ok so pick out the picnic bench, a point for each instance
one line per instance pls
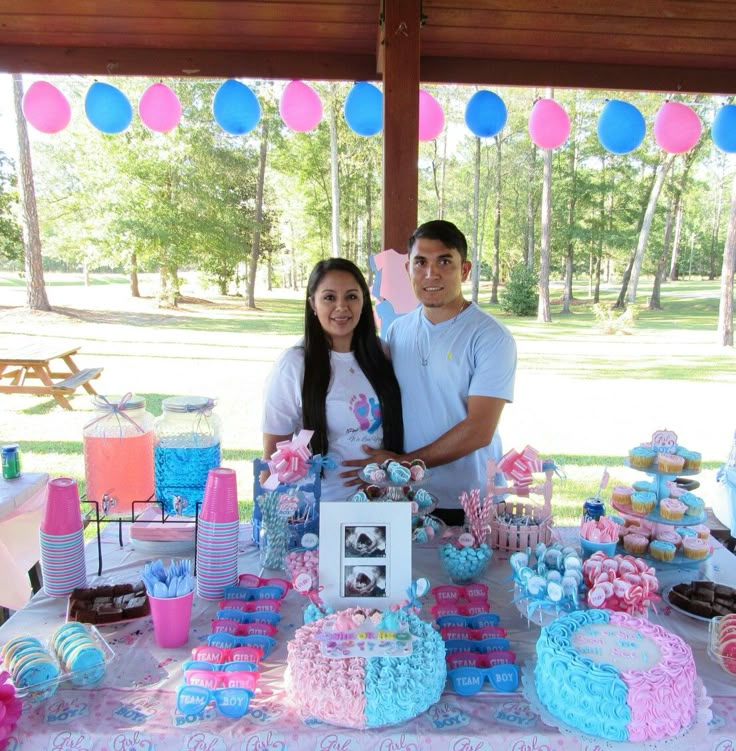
(28, 369)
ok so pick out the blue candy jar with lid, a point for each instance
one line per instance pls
(187, 446)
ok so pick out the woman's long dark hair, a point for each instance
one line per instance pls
(369, 353)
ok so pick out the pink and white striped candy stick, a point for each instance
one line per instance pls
(477, 513)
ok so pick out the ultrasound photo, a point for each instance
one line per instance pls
(365, 542)
(365, 581)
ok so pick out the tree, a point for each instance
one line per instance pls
(725, 308)
(256, 248)
(11, 233)
(646, 225)
(36, 298)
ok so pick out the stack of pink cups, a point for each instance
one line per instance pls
(61, 537)
(217, 535)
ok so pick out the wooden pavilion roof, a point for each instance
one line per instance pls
(657, 45)
(666, 45)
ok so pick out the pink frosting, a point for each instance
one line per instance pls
(661, 700)
(670, 460)
(695, 545)
(672, 506)
(332, 690)
(672, 537)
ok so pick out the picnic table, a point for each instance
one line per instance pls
(28, 369)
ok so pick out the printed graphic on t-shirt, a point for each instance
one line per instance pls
(367, 412)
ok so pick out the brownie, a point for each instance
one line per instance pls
(698, 607)
(679, 599)
(108, 604)
(704, 598)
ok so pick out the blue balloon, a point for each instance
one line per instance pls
(723, 131)
(364, 109)
(621, 127)
(236, 108)
(485, 114)
(107, 108)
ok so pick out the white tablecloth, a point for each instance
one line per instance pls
(21, 505)
(133, 709)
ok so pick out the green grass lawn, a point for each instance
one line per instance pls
(582, 397)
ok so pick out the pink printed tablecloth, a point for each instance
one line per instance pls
(133, 709)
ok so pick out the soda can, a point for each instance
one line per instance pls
(11, 461)
(593, 509)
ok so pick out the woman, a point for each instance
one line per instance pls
(338, 381)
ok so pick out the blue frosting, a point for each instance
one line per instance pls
(399, 688)
(587, 695)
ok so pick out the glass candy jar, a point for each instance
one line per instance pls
(187, 447)
(118, 451)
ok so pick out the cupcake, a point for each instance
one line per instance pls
(636, 544)
(694, 504)
(670, 463)
(692, 458)
(621, 494)
(686, 532)
(675, 490)
(641, 457)
(662, 551)
(643, 501)
(672, 509)
(672, 537)
(643, 485)
(701, 531)
(694, 547)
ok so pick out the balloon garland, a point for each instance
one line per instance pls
(621, 127)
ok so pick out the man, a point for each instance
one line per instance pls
(455, 365)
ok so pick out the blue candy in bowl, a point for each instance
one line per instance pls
(464, 564)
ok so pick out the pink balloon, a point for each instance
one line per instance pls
(549, 125)
(431, 116)
(159, 108)
(46, 108)
(676, 128)
(300, 107)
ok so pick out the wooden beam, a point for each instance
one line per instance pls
(400, 122)
(578, 75)
(98, 61)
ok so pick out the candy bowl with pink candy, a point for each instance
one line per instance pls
(722, 642)
(622, 582)
(599, 535)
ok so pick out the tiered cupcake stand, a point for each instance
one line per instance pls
(659, 484)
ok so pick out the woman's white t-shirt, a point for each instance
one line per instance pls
(353, 411)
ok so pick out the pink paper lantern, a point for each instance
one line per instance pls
(46, 108)
(159, 108)
(431, 117)
(549, 125)
(676, 128)
(300, 107)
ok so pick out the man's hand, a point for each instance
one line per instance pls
(352, 477)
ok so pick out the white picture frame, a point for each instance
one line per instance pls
(364, 554)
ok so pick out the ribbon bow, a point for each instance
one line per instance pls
(521, 466)
(291, 461)
(115, 409)
(318, 463)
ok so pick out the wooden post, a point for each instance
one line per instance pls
(400, 68)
